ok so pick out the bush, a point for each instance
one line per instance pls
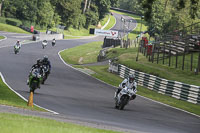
(13, 21)
(2, 20)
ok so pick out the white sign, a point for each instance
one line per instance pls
(111, 33)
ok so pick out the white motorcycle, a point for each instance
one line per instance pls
(124, 97)
(44, 43)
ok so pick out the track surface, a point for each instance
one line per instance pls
(72, 93)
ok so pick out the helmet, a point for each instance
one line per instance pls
(39, 62)
(18, 41)
(131, 78)
(45, 58)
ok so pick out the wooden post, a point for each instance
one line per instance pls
(170, 56)
(191, 61)
(30, 101)
(153, 51)
(183, 59)
(158, 54)
(164, 55)
(176, 59)
(198, 67)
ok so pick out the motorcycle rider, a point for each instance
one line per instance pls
(53, 42)
(39, 67)
(18, 44)
(45, 61)
(129, 83)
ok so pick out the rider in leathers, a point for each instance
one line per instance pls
(46, 61)
(18, 44)
(129, 83)
(41, 71)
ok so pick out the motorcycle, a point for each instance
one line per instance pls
(16, 49)
(46, 73)
(54, 42)
(44, 43)
(34, 80)
(124, 97)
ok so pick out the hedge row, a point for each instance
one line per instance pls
(10, 21)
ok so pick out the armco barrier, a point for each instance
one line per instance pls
(190, 93)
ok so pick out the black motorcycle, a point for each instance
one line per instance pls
(46, 73)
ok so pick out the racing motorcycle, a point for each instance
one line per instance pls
(34, 80)
(16, 49)
(44, 43)
(124, 97)
(46, 73)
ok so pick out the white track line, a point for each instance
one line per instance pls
(116, 88)
(2, 77)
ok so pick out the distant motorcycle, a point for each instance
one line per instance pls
(34, 80)
(44, 43)
(46, 73)
(53, 42)
(124, 97)
(16, 49)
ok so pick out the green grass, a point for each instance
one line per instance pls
(103, 74)
(111, 23)
(8, 97)
(12, 123)
(71, 37)
(187, 62)
(72, 33)
(2, 37)
(10, 28)
(128, 58)
(87, 52)
(104, 21)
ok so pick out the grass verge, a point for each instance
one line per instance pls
(104, 21)
(103, 74)
(87, 55)
(10, 28)
(2, 37)
(12, 123)
(111, 23)
(8, 97)
(128, 58)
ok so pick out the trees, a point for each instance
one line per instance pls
(168, 15)
(131, 5)
(76, 13)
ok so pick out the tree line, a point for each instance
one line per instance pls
(161, 16)
(75, 13)
(164, 16)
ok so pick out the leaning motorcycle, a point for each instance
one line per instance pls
(124, 97)
(34, 80)
(46, 73)
(16, 49)
(44, 43)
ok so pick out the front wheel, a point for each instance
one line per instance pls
(33, 86)
(16, 51)
(123, 101)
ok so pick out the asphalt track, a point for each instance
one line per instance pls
(72, 93)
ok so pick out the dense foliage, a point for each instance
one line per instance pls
(163, 16)
(76, 13)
